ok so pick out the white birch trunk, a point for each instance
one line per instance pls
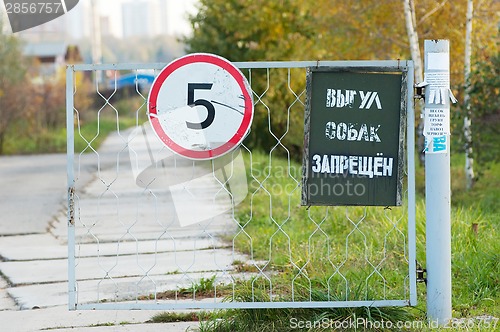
(469, 161)
(411, 29)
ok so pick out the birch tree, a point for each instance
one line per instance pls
(411, 29)
(469, 161)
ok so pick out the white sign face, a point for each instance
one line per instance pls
(200, 106)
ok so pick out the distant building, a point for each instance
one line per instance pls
(106, 26)
(145, 18)
(78, 21)
(135, 19)
(51, 57)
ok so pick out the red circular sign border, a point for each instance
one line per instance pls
(234, 72)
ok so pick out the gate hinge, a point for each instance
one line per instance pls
(421, 274)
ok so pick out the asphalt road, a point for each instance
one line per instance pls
(32, 189)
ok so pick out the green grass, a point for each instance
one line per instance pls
(91, 134)
(475, 228)
(299, 247)
(202, 288)
(289, 319)
(307, 245)
(172, 317)
(312, 254)
(22, 139)
(92, 128)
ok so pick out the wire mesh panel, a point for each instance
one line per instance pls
(148, 229)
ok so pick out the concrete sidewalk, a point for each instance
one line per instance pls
(60, 319)
(34, 266)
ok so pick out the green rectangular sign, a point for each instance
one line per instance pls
(354, 136)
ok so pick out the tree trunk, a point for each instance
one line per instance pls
(469, 161)
(411, 29)
(2, 136)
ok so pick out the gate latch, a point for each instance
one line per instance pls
(421, 274)
(420, 90)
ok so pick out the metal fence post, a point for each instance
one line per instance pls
(437, 180)
(70, 147)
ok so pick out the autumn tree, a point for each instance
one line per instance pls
(485, 111)
(265, 30)
(258, 30)
(12, 84)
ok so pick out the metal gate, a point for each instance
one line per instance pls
(149, 230)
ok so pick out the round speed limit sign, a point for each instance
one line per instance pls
(200, 106)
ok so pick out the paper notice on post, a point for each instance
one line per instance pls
(437, 122)
(438, 79)
(438, 61)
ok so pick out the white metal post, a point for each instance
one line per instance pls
(70, 150)
(410, 143)
(437, 181)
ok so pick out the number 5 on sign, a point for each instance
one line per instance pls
(200, 106)
(209, 106)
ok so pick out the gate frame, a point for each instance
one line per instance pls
(395, 65)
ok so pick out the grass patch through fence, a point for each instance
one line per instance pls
(353, 253)
(290, 244)
(92, 128)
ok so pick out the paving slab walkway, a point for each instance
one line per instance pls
(123, 250)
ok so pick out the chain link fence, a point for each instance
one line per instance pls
(148, 229)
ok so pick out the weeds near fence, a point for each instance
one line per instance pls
(475, 254)
(334, 249)
(290, 319)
